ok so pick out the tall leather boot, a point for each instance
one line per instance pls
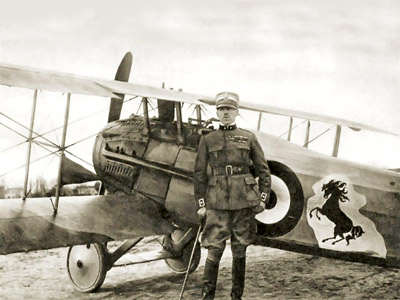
(238, 277)
(209, 279)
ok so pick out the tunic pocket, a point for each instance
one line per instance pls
(215, 152)
(252, 188)
(243, 146)
(244, 152)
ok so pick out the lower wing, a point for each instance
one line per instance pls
(30, 224)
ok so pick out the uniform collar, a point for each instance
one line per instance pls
(227, 127)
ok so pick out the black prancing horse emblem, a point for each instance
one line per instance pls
(335, 192)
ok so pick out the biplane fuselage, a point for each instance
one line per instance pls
(319, 204)
(159, 165)
(151, 171)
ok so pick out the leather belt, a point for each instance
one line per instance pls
(230, 170)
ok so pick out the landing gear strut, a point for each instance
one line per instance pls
(88, 264)
(179, 264)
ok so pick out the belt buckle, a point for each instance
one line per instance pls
(229, 170)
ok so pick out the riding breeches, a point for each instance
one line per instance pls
(239, 225)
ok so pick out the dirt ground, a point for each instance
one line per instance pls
(271, 274)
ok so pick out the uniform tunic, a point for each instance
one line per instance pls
(222, 177)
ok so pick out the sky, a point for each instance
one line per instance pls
(339, 59)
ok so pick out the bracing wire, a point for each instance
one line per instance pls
(13, 130)
(306, 144)
(136, 249)
(52, 125)
(84, 139)
(286, 132)
(12, 146)
(38, 177)
(38, 159)
(204, 109)
(23, 126)
(85, 117)
(194, 109)
(60, 127)
(140, 105)
(55, 145)
(54, 129)
(81, 159)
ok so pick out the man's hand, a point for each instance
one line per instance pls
(202, 212)
(260, 207)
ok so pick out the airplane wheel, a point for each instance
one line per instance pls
(286, 202)
(87, 266)
(179, 265)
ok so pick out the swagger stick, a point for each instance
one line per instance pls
(190, 262)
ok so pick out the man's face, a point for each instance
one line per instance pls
(227, 115)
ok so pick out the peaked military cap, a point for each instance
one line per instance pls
(227, 99)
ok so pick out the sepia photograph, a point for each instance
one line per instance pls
(200, 149)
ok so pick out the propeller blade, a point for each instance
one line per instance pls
(123, 73)
(75, 173)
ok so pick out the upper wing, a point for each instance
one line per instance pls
(31, 225)
(19, 76)
(305, 115)
(13, 75)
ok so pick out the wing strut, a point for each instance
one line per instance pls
(307, 136)
(337, 141)
(145, 103)
(198, 114)
(290, 129)
(28, 156)
(179, 121)
(259, 121)
(62, 148)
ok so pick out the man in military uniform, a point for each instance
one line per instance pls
(229, 196)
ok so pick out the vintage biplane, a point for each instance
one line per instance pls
(319, 205)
